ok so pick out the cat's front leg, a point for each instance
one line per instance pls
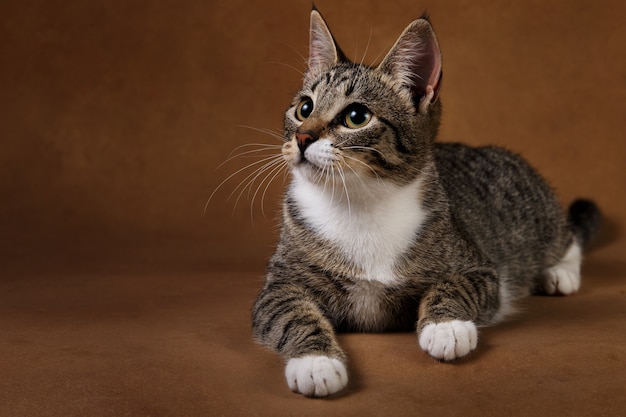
(288, 320)
(450, 310)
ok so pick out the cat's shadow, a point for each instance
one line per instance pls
(358, 377)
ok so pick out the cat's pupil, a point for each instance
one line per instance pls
(304, 109)
(357, 115)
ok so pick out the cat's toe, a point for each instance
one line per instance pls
(316, 376)
(449, 340)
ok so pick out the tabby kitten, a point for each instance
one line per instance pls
(383, 229)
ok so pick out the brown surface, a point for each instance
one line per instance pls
(118, 297)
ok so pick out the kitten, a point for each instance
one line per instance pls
(383, 229)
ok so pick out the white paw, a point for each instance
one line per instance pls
(560, 281)
(449, 340)
(564, 277)
(316, 376)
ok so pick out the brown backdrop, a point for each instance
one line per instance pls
(114, 118)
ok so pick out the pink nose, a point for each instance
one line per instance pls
(304, 139)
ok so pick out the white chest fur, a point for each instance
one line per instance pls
(372, 225)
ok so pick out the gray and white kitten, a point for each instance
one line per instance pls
(384, 229)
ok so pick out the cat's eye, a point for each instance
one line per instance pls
(356, 116)
(304, 109)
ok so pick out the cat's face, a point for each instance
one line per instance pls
(352, 123)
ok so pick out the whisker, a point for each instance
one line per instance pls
(257, 176)
(304, 59)
(273, 172)
(233, 175)
(365, 148)
(361, 162)
(356, 173)
(281, 168)
(263, 148)
(260, 145)
(288, 66)
(386, 49)
(334, 181)
(317, 177)
(276, 135)
(267, 168)
(321, 175)
(369, 40)
(327, 171)
(270, 166)
(345, 187)
(247, 182)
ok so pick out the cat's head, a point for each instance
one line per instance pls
(355, 122)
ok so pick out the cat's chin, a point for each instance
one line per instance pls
(309, 171)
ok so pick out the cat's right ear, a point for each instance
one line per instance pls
(324, 52)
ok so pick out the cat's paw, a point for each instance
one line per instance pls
(564, 277)
(449, 340)
(316, 376)
(560, 281)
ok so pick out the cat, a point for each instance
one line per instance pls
(385, 229)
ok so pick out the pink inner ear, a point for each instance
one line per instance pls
(435, 72)
(319, 55)
(322, 49)
(425, 61)
(437, 86)
(434, 80)
(415, 59)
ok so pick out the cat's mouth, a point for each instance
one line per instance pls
(320, 155)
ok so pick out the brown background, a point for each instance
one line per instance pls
(120, 296)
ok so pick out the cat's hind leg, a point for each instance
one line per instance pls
(564, 277)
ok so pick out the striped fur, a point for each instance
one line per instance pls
(384, 229)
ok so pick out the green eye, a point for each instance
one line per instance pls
(304, 109)
(356, 116)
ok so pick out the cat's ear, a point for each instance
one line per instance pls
(324, 52)
(415, 62)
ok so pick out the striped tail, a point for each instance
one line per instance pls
(585, 219)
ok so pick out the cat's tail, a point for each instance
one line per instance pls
(584, 218)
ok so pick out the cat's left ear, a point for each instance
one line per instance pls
(324, 52)
(415, 62)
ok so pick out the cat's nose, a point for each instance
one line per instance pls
(304, 139)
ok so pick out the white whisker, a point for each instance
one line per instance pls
(367, 46)
(365, 148)
(327, 172)
(334, 185)
(302, 57)
(361, 162)
(273, 134)
(231, 176)
(354, 171)
(375, 61)
(345, 187)
(272, 174)
(253, 151)
(288, 66)
(250, 179)
(269, 165)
